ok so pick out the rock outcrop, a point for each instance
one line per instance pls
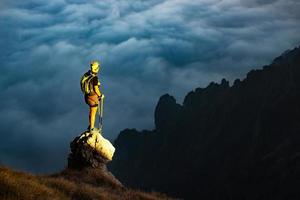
(91, 150)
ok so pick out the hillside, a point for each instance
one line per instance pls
(224, 142)
(69, 184)
(85, 178)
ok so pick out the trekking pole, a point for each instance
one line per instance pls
(100, 112)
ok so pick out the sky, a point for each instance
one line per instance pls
(146, 48)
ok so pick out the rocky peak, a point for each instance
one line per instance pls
(224, 83)
(288, 57)
(165, 111)
(203, 96)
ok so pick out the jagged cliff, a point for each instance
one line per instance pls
(224, 142)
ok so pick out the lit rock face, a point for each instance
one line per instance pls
(90, 149)
(90, 152)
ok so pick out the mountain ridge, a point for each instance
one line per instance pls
(223, 142)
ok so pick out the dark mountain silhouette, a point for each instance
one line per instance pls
(238, 142)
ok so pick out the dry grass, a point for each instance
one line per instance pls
(15, 185)
(18, 185)
(94, 177)
(137, 194)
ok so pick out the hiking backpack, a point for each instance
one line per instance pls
(85, 83)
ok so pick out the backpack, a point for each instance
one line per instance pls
(85, 83)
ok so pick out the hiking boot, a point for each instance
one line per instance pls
(93, 129)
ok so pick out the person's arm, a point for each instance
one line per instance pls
(96, 84)
(97, 90)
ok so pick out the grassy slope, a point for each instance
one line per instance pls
(65, 185)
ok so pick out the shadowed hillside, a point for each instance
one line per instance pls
(85, 178)
(87, 184)
(238, 142)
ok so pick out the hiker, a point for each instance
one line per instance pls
(90, 87)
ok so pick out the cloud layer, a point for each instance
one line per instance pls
(147, 48)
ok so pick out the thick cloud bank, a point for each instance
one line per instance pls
(146, 48)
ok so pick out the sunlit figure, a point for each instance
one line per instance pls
(90, 86)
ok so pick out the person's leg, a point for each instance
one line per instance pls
(92, 116)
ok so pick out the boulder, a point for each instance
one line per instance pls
(90, 149)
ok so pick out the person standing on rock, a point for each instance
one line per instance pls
(90, 86)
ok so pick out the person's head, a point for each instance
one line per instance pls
(95, 66)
